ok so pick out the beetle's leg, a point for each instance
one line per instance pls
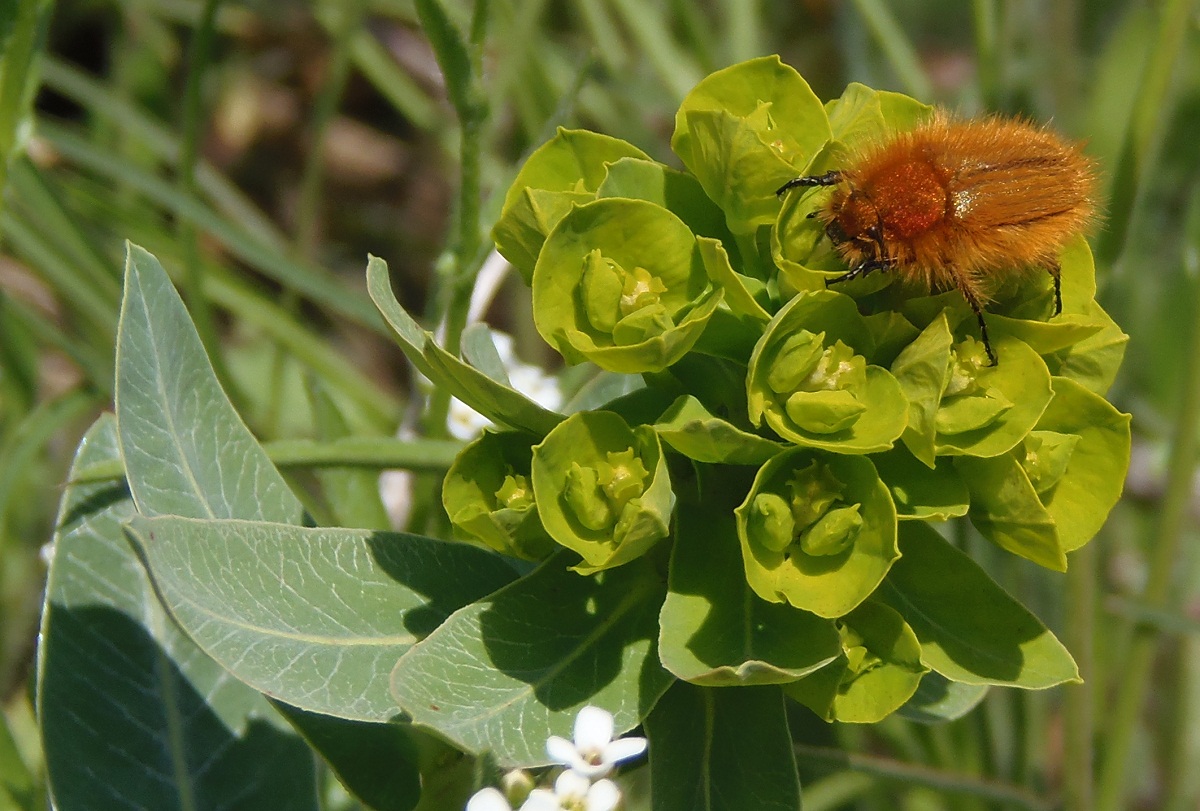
(862, 269)
(1056, 273)
(969, 295)
(827, 179)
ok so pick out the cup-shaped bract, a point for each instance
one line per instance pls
(817, 531)
(602, 488)
(746, 130)
(879, 669)
(488, 495)
(565, 171)
(624, 284)
(959, 405)
(811, 382)
(1051, 493)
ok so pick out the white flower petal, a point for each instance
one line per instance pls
(563, 751)
(541, 800)
(488, 799)
(623, 749)
(603, 796)
(571, 787)
(593, 730)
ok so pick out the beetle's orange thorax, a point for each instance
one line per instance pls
(903, 199)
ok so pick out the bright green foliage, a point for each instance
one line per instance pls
(744, 497)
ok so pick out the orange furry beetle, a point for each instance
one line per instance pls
(958, 204)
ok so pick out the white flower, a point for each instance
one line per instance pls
(594, 752)
(488, 799)
(578, 793)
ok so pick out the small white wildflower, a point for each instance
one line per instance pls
(577, 793)
(594, 753)
(488, 799)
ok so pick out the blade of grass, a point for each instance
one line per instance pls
(312, 282)
(897, 48)
(675, 68)
(913, 774)
(96, 366)
(395, 85)
(102, 103)
(369, 452)
(18, 74)
(1164, 540)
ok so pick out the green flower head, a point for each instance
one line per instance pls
(817, 531)
(488, 495)
(602, 488)
(625, 284)
(810, 383)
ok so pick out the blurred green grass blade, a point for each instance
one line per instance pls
(227, 290)
(743, 22)
(421, 455)
(96, 366)
(106, 105)
(18, 72)
(311, 281)
(17, 784)
(40, 202)
(352, 494)
(393, 83)
(29, 438)
(897, 48)
(59, 273)
(650, 28)
(608, 41)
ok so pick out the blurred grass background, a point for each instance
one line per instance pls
(262, 148)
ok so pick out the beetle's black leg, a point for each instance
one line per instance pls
(827, 179)
(978, 310)
(861, 270)
(1056, 273)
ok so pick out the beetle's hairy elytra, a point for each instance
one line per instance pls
(958, 204)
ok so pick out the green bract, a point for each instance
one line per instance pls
(623, 283)
(746, 130)
(602, 488)
(961, 406)
(879, 669)
(810, 382)
(489, 496)
(564, 171)
(818, 531)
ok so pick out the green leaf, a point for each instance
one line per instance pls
(921, 493)
(375, 763)
(676, 191)
(878, 672)
(715, 630)
(1092, 482)
(722, 750)
(788, 380)
(690, 428)
(503, 674)
(970, 629)
(566, 170)
(744, 131)
(939, 700)
(132, 713)
(1006, 510)
(500, 404)
(602, 488)
(777, 566)
(186, 450)
(314, 617)
(863, 114)
(1094, 361)
(960, 406)
(623, 283)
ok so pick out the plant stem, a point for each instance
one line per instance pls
(1164, 541)
(1079, 731)
(924, 776)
